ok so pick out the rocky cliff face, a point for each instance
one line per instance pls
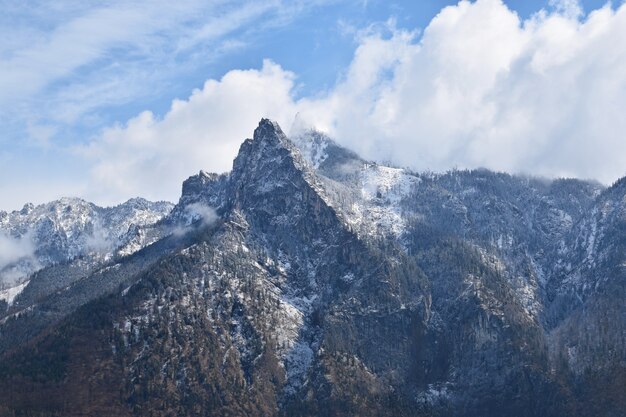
(310, 282)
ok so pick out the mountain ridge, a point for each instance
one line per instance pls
(323, 284)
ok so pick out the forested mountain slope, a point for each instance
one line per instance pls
(309, 282)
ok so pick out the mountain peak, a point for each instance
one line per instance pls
(27, 209)
(268, 130)
(268, 146)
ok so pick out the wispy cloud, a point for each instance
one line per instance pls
(12, 251)
(61, 63)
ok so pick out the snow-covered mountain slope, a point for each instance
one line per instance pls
(308, 281)
(36, 237)
(520, 223)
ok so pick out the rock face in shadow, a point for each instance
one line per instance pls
(309, 282)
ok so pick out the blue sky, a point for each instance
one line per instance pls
(76, 77)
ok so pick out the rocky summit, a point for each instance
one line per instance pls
(310, 282)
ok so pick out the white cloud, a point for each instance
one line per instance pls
(77, 42)
(481, 88)
(62, 62)
(199, 211)
(478, 88)
(569, 8)
(12, 250)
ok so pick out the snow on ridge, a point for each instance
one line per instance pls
(312, 147)
(379, 190)
(388, 184)
(382, 190)
(68, 228)
(9, 294)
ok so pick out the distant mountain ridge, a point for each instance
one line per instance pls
(308, 281)
(66, 229)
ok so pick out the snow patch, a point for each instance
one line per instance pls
(9, 295)
(297, 362)
(382, 190)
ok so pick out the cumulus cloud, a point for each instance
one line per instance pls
(477, 88)
(570, 8)
(482, 88)
(47, 43)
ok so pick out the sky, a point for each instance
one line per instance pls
(108, 100)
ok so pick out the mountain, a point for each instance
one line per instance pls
(310, 282)
(66, 232)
